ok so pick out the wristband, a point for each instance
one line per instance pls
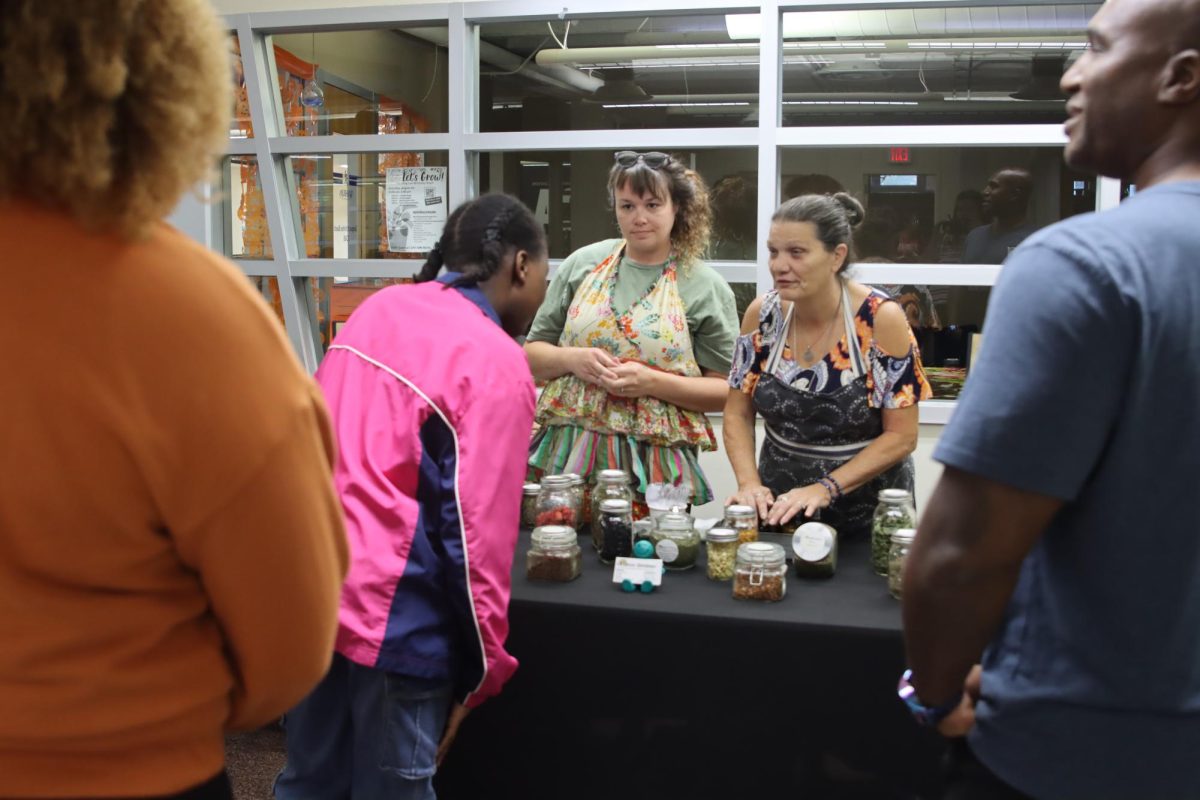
(924, 715)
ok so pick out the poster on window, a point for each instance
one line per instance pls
(416, 208)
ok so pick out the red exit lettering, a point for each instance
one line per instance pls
(899, 155)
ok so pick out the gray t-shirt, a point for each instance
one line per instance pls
(1088, 389)
(985, 246)
(707, 300)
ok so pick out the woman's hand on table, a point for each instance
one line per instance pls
(806, 500)
(756, 496)
(593, 365)
(630, 379)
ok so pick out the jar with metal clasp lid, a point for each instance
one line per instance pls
(760, 572)
(553, 555)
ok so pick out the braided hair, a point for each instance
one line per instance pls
(478, 236)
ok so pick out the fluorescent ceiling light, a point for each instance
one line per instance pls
(673, 105)
(850, 102)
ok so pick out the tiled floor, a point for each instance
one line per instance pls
(253, 759)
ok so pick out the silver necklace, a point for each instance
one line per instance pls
(809, 355)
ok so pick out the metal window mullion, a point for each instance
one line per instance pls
(256, 267)
(356, 267)
(463, 81)
(359, 143)
(631, 139)
(342, 19)
(927, 274)
(770, 78)
(285, 238)
(517, 10)
(924, 136)
(240, 147)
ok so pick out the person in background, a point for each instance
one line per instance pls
(811, 183)
(432, 402)
(832, 367)
(1061, 542)
(1006, 204)
(634, 340)
(171, 547)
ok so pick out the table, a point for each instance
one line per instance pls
(689, 693)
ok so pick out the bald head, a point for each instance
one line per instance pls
(1134, 95)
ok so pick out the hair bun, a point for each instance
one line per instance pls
(853, 209)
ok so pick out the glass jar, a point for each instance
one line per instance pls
(529, 499)
(895, 511)
(611, 484)
(676, 540)
(580, 491)
(557, 502)
(815, 545)
(616, 525)
(721, 546)
(643, 529)
(760, 572)
(553, 555)
(744, 520)
(901, 543)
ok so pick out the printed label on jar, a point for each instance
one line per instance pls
(667, 550)
(812, 541)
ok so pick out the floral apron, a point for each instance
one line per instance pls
(585, 429)
(810, 434)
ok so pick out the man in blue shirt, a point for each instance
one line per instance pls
(1062, 544)
(1006, 201)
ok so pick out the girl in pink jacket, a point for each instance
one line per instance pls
(432, 405)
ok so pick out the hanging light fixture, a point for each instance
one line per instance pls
(313, 96)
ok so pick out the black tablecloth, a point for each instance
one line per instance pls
(686, 692)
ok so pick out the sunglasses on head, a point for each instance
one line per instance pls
(628, 158)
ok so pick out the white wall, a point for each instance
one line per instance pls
(720, 475)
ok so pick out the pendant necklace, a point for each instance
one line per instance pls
(809, 355)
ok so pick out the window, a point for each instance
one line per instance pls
(364, 81)
(614, 73)
(245, 218)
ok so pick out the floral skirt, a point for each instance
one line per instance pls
(562, 448)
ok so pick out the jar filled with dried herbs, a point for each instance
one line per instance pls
(760, 572)
(529, 499)
(582, 494)
(744, 520)
(611, 484)
(815, 546)
(616, 527)
(558, 503)
(676, 540)
(901, 543)
(895, 511)
(553, 555)
(721, 546)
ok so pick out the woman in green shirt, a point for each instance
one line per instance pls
(634, 340)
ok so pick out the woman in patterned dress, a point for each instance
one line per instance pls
(832, 368)
(634, 340)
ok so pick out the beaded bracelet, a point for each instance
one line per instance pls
(836, 485)
(829, 487)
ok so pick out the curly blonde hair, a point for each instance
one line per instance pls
(114, 108)
(693, 218)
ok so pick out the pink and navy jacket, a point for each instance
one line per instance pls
(432, 403)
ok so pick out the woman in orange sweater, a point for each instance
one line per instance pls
(171, 548)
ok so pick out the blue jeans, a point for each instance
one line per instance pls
(364, 734)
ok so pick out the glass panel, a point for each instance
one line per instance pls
(616, 72)
(334, 300)
(743, 295)
(347, 211)
(947, 322)
(240, 126)
(363, 82)
(245, 217)
(269, 289)
(947, 204)
(935, 66)
(544, 181)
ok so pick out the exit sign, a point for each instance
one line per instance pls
(899, 155)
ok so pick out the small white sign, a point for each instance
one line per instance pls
(661, 496)
(638, 570)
